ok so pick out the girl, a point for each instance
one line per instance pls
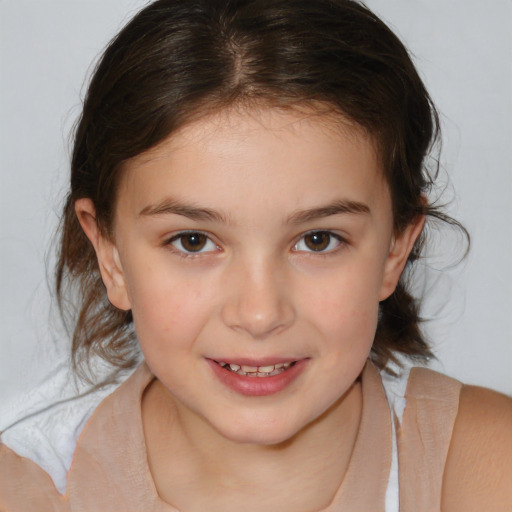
(248, 185)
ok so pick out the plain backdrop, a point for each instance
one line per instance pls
(463, 49)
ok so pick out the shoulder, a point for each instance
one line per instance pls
(478, 471)
(36, 456)
(46, 439)
(25, 486)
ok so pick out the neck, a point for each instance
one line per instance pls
(210, 472)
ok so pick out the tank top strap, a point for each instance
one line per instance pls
(364, 485)
(424, 435)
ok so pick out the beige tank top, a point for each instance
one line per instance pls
(110, 473)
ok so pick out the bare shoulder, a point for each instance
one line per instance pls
(478, 472)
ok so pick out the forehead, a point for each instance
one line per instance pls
(269, 154)
(241, 122)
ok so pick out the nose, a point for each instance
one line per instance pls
(258, 300)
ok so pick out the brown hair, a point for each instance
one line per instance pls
(179, 59)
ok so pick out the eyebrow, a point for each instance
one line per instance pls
(335, 208)
(170, 206)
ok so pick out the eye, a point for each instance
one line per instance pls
(192, 242)
(318, 241)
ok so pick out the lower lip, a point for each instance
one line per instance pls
(257, 386)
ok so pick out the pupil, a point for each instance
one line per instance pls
(318, 241)
(193, 242)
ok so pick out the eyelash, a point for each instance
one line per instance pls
(183, 252)
(340, 243)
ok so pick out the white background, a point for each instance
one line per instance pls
(463, 49)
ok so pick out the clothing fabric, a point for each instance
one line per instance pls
(54, 416)
(399, 454)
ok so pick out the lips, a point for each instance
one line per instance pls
(257, 378)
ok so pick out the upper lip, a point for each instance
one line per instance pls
(264, 361)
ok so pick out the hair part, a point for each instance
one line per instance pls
(179, 60)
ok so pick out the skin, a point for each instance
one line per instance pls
(256, 184)
(478, 471)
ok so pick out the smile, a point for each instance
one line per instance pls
(257, 371)
(263, 379)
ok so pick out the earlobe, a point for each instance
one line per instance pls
(401, 246)
(107, 254)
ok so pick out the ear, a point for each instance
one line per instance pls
(401, 247)
(108, 256)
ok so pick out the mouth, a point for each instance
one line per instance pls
(258, 378)
(257, 371)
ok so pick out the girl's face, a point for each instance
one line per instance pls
(253, 249)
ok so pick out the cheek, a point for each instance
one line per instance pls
(167, 309)
(346, 308)
(350, 318)
(348, 293)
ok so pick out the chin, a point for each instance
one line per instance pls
(258, 432)
(262, 438)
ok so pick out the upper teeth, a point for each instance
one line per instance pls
(256, 370)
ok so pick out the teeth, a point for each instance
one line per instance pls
(249, 369)
(266, 369)
(257, 371)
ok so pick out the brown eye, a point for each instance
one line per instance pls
(318, 241)
(192, 242)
